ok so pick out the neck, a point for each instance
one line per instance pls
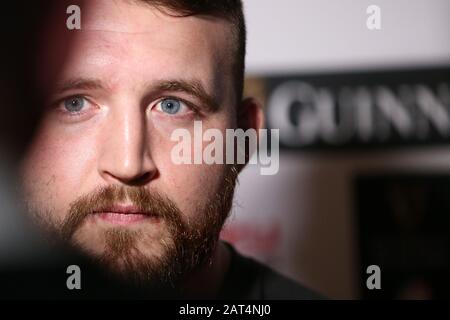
(206, 281)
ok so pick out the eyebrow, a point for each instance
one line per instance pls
(80, 84)
(194, 88)
(191, 87)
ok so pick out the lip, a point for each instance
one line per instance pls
(122, 209)
(124, 214)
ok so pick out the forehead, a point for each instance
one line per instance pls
(121, 37)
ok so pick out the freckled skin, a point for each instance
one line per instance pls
(121, 136)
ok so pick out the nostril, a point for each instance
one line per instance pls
(142, 179)
(130, 180)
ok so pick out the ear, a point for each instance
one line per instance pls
(250, 116)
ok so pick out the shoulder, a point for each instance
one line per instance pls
(277, 286)
(250, 279)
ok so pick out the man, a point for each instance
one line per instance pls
(100, 173)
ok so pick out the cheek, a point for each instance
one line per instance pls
(55, 167)
(190, 186)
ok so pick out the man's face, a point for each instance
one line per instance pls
(99, 170)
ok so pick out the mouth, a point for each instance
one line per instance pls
(125, 215)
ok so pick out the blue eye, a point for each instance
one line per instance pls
(74, 104)
(170, 106)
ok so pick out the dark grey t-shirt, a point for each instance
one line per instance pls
(248, 279)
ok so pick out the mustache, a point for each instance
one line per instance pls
(104, 198)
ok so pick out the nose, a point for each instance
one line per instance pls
(124, 152)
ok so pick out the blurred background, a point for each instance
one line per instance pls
(364, 119)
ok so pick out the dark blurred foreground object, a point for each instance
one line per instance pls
(19, 25)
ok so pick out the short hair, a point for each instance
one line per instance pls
(229, 10)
